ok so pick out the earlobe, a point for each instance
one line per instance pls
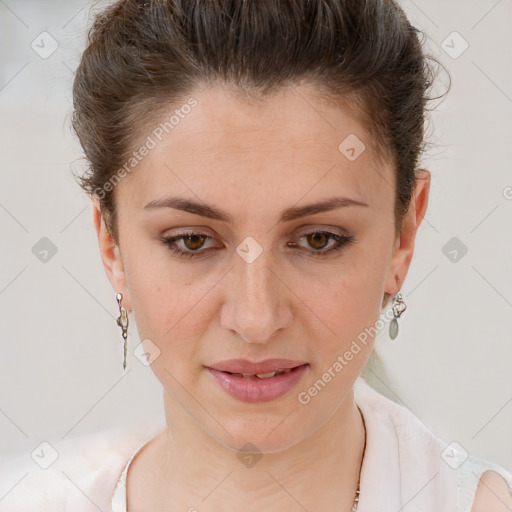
(110, 254)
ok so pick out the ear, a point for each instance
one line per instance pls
(404, 244)
(110, 254)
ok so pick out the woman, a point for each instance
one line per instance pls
(256, 196)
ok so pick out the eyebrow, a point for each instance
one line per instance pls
(295, 212)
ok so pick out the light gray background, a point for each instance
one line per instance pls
(60, 364)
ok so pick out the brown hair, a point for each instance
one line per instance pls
(144, 55)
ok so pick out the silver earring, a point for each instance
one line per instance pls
(399, 307)
(122, 321)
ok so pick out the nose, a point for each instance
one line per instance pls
(256, 304)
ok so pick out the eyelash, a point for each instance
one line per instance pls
(341, 242)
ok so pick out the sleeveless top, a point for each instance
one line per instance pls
(405, 466)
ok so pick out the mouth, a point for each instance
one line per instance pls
(268, 375)
(259, 387)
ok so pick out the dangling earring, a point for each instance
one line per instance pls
(122, 321)
(399, 307)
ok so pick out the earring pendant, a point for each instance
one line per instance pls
(122, 321)
(399, 307)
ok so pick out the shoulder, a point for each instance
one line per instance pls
(462, 482)
(78, 473)
(493, 493)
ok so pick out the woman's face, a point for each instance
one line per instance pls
(253, 280)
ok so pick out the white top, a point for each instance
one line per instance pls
(405, 467)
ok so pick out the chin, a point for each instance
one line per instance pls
(260, 433)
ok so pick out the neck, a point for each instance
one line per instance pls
(318, 473)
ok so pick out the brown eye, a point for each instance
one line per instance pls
(323, 243)
(194, 242)
(188, 245)
(320, 243)
(318, 240)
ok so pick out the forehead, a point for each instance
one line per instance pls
(285, 147)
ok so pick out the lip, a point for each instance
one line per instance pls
(253, 389)
(253, 367)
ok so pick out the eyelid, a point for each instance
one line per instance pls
(196, 230)
(305, 230)
(341, 241)
(324, 229)
(179, 236)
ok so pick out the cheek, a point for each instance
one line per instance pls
(169, 302)
(163, 290)
(168, 317)
(344, 310)
(340, 339)
(167, 310)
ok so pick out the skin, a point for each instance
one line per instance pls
(253, 161)
(492, 494)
